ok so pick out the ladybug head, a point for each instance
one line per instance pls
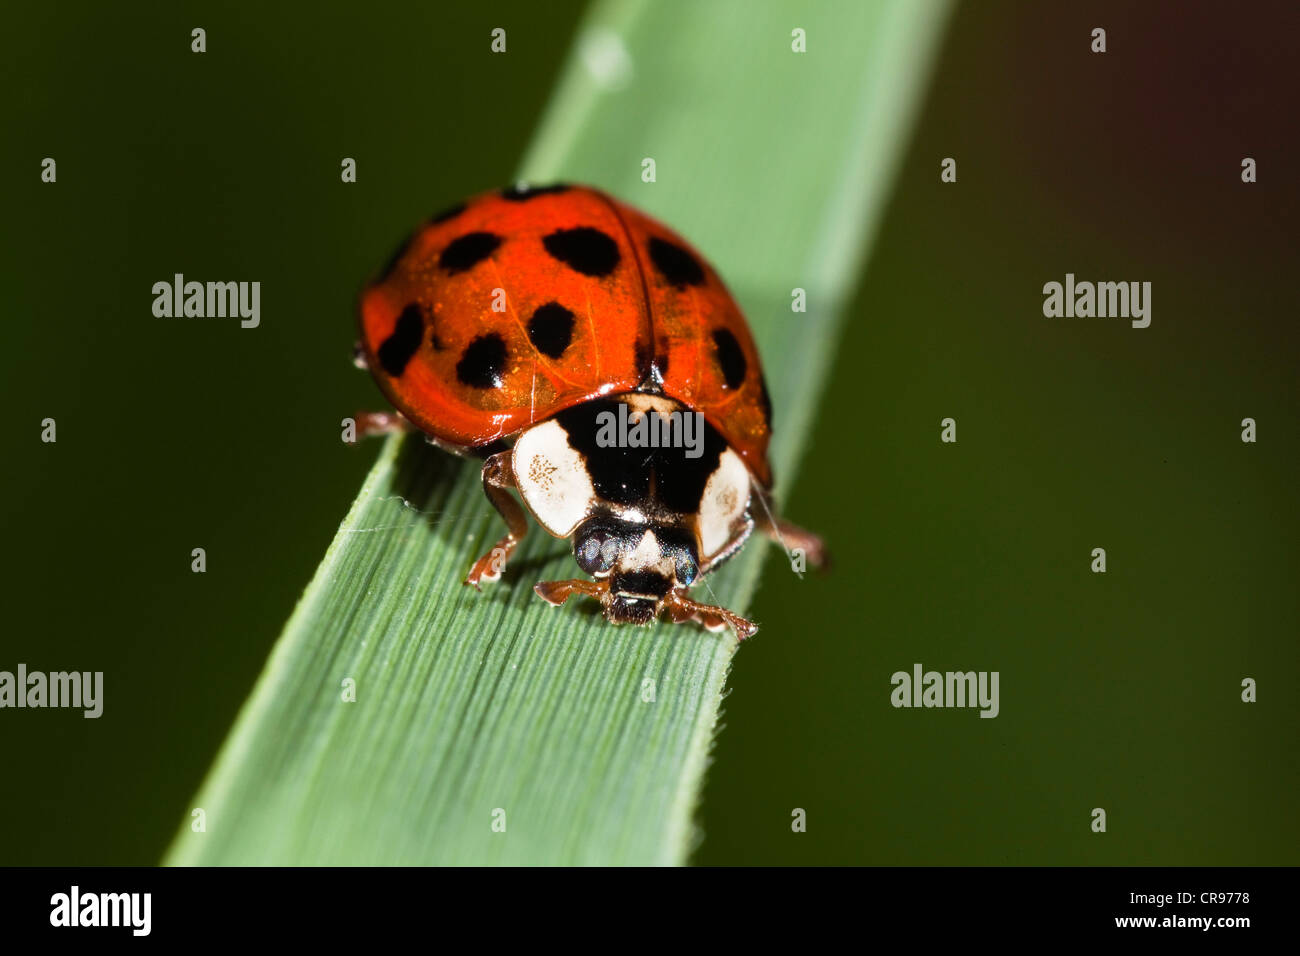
(643, 562)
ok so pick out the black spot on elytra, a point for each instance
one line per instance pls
(765, 400)
(522, 192)
(551, 329)
(676, 264)
(468, 250)
(483, 362)
(661, 365)
(584, 250)
(399, 348)
(730, 358)
(451, 212)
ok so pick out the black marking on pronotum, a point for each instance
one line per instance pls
(625, 475)
(680, 481)
(451, 212)
(522, 192)
(584, 250)
(551, 329)
(468, 250)
(730, 358)
(675, 264)
(483, 362)
(399, 348)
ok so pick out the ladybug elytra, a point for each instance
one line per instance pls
(615, 360)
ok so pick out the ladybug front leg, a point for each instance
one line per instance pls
(498, 480)
(680, 608)
(557, 592)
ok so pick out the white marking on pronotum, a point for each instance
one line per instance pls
(552, 478)
(726, 495)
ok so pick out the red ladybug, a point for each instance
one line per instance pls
(612, 354)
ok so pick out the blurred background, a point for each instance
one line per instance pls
(1118, 690)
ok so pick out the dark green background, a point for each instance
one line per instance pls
(1118, 690)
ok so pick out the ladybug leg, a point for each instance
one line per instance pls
(794, 538)
(498, 479)
(380, 423)
(681, 608)
(557, 592)
(789, 536)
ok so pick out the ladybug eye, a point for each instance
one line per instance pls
(596, 551)
(687, 568)
(679, 546)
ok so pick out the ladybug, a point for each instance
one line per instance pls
(613, 359)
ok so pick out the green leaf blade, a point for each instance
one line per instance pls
(467, 703)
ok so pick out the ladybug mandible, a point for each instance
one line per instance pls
(614, 357)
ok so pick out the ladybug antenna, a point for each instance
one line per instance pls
(775, 525)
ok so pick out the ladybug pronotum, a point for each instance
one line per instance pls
(609, 378)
